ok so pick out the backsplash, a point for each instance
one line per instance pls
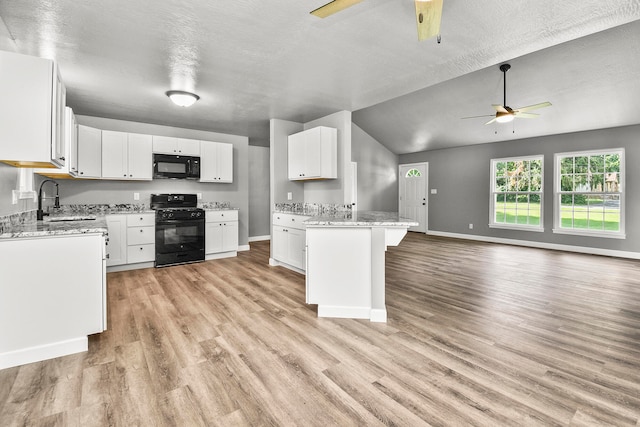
(102, 209)
(9, 221)
(312, 208)
(214, 205)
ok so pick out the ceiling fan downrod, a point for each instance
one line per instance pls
(504, 68)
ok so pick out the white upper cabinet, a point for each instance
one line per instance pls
(313, 154)
(89, 152)
(32, 110)
(216, 162)
(70, 167)
(126, 156)
(177, 146)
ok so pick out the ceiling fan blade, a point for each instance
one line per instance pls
(477, 117)
(491, 121)
(500, 108)
(428, 14)
(332, 7)
(521, 115)
(533, 107)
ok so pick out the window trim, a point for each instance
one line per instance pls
(557, 229)
(492, 193)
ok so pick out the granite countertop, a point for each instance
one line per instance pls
(45, 228)
(361, 219)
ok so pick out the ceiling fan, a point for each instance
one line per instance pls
(504, 113)
(428, 14)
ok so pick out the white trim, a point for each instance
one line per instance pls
(493, 193)
(378, 315)
(276, 263)
(517, 227)
(127, 267)
(540, 245)
(242, 248)
(220, 255)
(557, 195)
(259, 238)
(344, 312)
(43, 352)
(425, 195)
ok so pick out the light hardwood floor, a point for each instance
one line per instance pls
(478, 334)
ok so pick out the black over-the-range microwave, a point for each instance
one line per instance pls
(179, 167)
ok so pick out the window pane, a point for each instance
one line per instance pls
(523, 183)
(612, 163)
(536, 167)
(510, 215)
(612, 183)
(534, 199)
(582, 164)
(535, 183)
(581, 183)
(566, 183)
(501, 184)
(501, 169)
(566, 165)
(596, 164)
(597, 182)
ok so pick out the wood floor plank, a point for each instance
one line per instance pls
(477, 334)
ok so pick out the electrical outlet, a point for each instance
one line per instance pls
(434, 191)
(136, 196)
(289, 195)
(470, 226)
(199, 196)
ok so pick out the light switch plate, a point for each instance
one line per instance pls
(434, 191)
(199, 196)
(289, 195)
(136, 196)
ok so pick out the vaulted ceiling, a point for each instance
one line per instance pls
(251, 60)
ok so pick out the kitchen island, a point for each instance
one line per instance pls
(346, 262)
(53, 288)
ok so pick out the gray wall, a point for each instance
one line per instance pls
(259, 208)
(377, 173)
(280, 184)
(461, 176)
(102, 191)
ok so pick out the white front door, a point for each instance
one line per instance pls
(412, 179)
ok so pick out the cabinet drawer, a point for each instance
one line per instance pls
(139, 220)
(141, 253)
(140, 235)
(221, 216)
(290, 220)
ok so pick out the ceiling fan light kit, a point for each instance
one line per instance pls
(182, 98)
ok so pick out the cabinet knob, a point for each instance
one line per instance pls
(141, 249)
(81, 173)
(142, 231)
(107, 256)
(62, 158)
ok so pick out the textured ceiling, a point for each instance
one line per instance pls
(253, 60)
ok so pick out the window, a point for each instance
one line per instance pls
(413, 173)
(589, 193)
(516, 193)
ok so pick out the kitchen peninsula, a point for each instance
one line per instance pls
(345, 272)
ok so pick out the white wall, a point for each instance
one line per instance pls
(280, 184)
(8, 183)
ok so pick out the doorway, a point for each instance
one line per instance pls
(412, 192)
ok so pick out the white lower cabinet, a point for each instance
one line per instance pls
(289, 240)
(221, 232)
(131, 239)
(48, 311)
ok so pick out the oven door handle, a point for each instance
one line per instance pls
(179, 221)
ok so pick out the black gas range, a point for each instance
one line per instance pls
(180, 228)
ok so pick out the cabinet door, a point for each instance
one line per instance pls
(117, 244)
(89, 152)
(280, 244)
(58, 120)
(114, 155)
(230, 236)
(312, 153)
(165, 144)
(140, 157)
(188, 147)
(296, 247)
(296, 156)
(208, 161)
(71, 131)
(213, 236)
(225, 162)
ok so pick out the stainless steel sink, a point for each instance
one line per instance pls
(70, 218)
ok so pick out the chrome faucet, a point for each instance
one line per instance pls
(40, 214)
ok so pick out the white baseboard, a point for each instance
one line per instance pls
(243, 248)
(276, 263)
(344, 312)
(378, 315)
(220, 255)
(43, 352)
(541, 245)
(259, 238)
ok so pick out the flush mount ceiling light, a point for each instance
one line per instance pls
(182, 98)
